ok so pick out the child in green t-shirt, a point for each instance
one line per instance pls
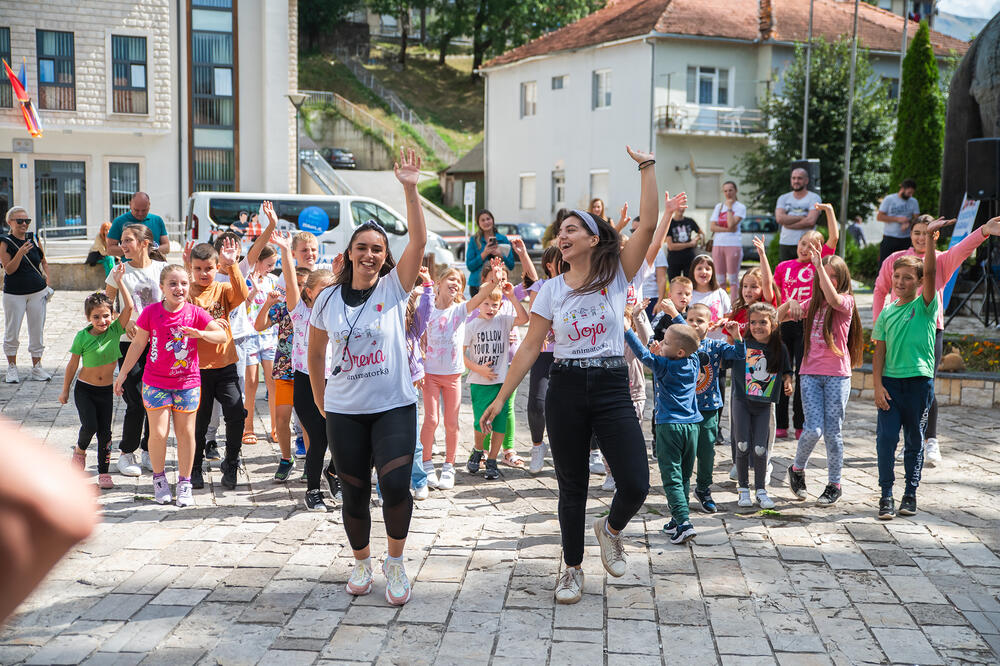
(97, 346)
(903, 373)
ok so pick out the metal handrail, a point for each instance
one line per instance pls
(352, 111)
(721, 119)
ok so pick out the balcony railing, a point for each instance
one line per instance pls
(709, 120)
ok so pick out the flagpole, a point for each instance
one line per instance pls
(805, 103)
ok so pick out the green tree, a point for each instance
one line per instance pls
(451, 19)
(319, 16)
(764, 172)
(917, 148)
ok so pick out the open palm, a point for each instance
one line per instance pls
(407, 169)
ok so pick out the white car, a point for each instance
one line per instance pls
(331, 218)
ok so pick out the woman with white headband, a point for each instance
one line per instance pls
(588, 383)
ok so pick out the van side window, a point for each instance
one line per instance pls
(225, 211)
(362, 211)
(290, 210)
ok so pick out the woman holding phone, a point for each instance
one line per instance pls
(485, 243)
(25, 292)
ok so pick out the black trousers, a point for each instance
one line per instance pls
(791, 335)
(679, 263)
(786, 252)
(222, 384)
(315, 426)
(388, 439)
(95, 405)
(890, 245)
(932, 414)
(538, 388)
(582, 402)
(135, 426)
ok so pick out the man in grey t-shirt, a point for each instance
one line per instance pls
(796, 212)
(897, 211)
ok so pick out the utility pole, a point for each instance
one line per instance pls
(846, 185)
(805, 103)
(902, 51)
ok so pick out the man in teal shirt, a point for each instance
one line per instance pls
(138, 213)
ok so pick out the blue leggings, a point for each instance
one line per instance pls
(824, 401)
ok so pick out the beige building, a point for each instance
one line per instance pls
(167, 97)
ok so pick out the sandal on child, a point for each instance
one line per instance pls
(511, 459)
(249, 438)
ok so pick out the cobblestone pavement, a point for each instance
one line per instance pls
(248, 576)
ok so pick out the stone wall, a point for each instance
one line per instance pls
(966, 389)
(331, 130)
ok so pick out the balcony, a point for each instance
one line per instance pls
(692, 119)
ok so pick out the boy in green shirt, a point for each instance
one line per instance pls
(903, 373)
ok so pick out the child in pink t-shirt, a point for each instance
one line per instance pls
(833, 341)
(794, 281)
(171, 380)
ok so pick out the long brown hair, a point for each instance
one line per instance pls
(346, 274)
(443, 274)
(479, 230)
(773, 353)
(143, 233)
(739, 303)
(606, 257)
(842, 283)
(552, 255)
(704, 258)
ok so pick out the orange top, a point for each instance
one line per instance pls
(219, 299)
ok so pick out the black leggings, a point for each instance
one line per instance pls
(222, 384)
(315, 426)
(583, 402)
(930, 432)
(538, 387)
(389, 439)
(95, 404)
(791, 335)
(135, 425)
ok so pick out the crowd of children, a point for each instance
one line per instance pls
(192, 340)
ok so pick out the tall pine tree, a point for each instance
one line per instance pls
(765, 171)
(918, 145)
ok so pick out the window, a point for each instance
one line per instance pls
(527, 191)
(558, 190)
(60, 198)
(56, 79)
(213, 100)
(128, 74)
(6, 94)
(560, 82)
(707, 188)
(599, 181)
(708, 86)
(529, 98)
(891, 86)
(885, 4)
(362, 211)
(124, 183)
(602, 88)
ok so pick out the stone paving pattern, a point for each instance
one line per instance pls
(248, 576)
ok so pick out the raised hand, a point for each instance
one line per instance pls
(338, 263)
(938, 224)
(117, 273)
(229, 252)
(268, 207)
(187, 252)
(671, 205)
(508, 290)
(282, 239)
(517, 244)
(824, 207)
(639, 156)
(272, 298)
(758, 242)
(623, 217)
(425, 275)
(407, 169)
(732, 328)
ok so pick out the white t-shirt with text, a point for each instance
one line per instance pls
(445, 334)
(488, 341)
(143, 284)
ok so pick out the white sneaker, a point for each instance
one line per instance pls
(744, 497)
(12, 377)
(432, 475)
(596, 464)
(397, 585)
(763, 500)
(537, 459)
(38, 374)
(185, 496)
(360, 582)
(421, 493)
(932, 452)
(447, 479)
(609, 482)
(612, 549)
(161, 491)
(767, 474)
(732, 473)
(569, 590)
(128, 465)
(147, 464)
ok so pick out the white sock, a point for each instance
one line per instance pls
(607, 531)
(390, 558)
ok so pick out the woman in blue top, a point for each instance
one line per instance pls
(485, 243)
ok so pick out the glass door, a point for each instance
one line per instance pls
(60, 199)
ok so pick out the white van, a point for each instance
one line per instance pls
(331, 218)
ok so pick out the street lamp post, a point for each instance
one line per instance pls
(297, 99)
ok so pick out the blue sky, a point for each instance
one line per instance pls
(973, 8)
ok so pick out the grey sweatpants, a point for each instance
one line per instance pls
(751, 430)
(15, 307)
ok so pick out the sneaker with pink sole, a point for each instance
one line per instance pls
(104, 482)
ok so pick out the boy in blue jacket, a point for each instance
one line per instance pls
(675, 372)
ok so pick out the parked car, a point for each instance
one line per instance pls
(757, 225)
(339, 158)
(210, 213)
(530, 232)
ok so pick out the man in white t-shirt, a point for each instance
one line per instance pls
(796, 213)
(897, 211)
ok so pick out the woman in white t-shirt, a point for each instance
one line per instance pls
(368, 396)
(588, 382)
(142, 278)
(727, 242)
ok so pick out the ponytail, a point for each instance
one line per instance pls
(143, 233)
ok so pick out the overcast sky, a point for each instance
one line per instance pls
(975, 8)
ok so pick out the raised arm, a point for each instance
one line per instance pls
(522, 314)
(929, 289)
(635, 250)
(408, 173)
(527, 265)
(492, 280)
(125, 316)
(767, 278)
(237, 284)
(661, 231)
(272, 221)
(831, 225)
(284, 242)
(623, 219)
(639, 349)
(834, 299)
